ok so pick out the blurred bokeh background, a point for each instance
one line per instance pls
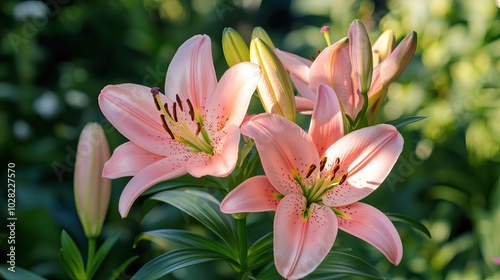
(56, 56)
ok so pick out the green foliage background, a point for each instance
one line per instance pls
(56, 56)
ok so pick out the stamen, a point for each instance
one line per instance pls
(310, 170)
(165, 126)
(174, 109)
(166, 110)
(191, 110)
(179, 102)
(198, 129)
(312, 58)
(322, 163)
(333, 171)
(155, 91)
(318, 52)
(343, 178)
(337, 161)
(325, 30)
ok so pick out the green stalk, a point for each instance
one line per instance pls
(91, 253)
(243, 245)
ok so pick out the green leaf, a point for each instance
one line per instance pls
(398, 123)
(204, 208)
(101, 254)
(186, 239)
(117, 272)
(269, 273)
(342, 264)
(395, 217)
(261, 252)
(174, 260)
(18, 273)
(71, 258)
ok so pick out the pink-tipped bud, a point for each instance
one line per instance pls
(92, 191)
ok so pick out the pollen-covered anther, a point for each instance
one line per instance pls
(174, 111)
(179, 102)
(310, 170)
(312, 58)
(343, 178)
(198, 128)
(322, 163)
(165, 126)
(191, 109)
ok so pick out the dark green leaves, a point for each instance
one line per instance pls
(409, 221)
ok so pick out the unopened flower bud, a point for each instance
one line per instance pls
(259, 32)
(361, 55)
(92, 191)
(234, 48)
(383, 47)
(275, 87)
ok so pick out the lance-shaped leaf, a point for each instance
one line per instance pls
(275, 88)
(360, 51)
(234, 48)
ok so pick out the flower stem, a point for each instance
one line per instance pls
(91, 252)
(243, 246)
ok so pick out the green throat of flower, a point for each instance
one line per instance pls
(325, 180)
(182, 123)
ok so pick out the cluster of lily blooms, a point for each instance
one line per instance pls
(313, 179)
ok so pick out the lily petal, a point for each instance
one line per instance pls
(255, 194)
(167, 168)
(333, 67)
(296, 65)
(367, 156)
(371, 225)
(127, 160)
(232, 96)
(283, 154)
(191, 73)
(303, 88)
(130, 109)
(301, 243)
(304, 105)
(223, 162)
(327, 124)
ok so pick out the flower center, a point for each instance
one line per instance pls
(183, 123)
(325, 180)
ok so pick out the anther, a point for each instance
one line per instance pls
(191, 110)
(174, 111)
(337, 161)
(165, 126)
(334, 170)
(155, 91)
(179, 102)
(322, 163)
(198, 129)
(343, 178)
(310, 170)
(166, 110)
(318, 51)
(312, 58)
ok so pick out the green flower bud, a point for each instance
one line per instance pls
(234, 48)
(259, 32)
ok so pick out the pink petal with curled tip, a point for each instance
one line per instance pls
(371, 225)
(127, 160)
(302, 241)
(167, 168)
(367, 155)
(285, 150)
(296, 65)
(255, 194)
(191, 73)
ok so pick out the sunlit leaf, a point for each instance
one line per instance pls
(204, 208)
(186, 239)
(342, 264)
(395, 217)
(174, 260)
(398, 123)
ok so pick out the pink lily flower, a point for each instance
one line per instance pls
(314, 182)
(193, 128)
(346, 66)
